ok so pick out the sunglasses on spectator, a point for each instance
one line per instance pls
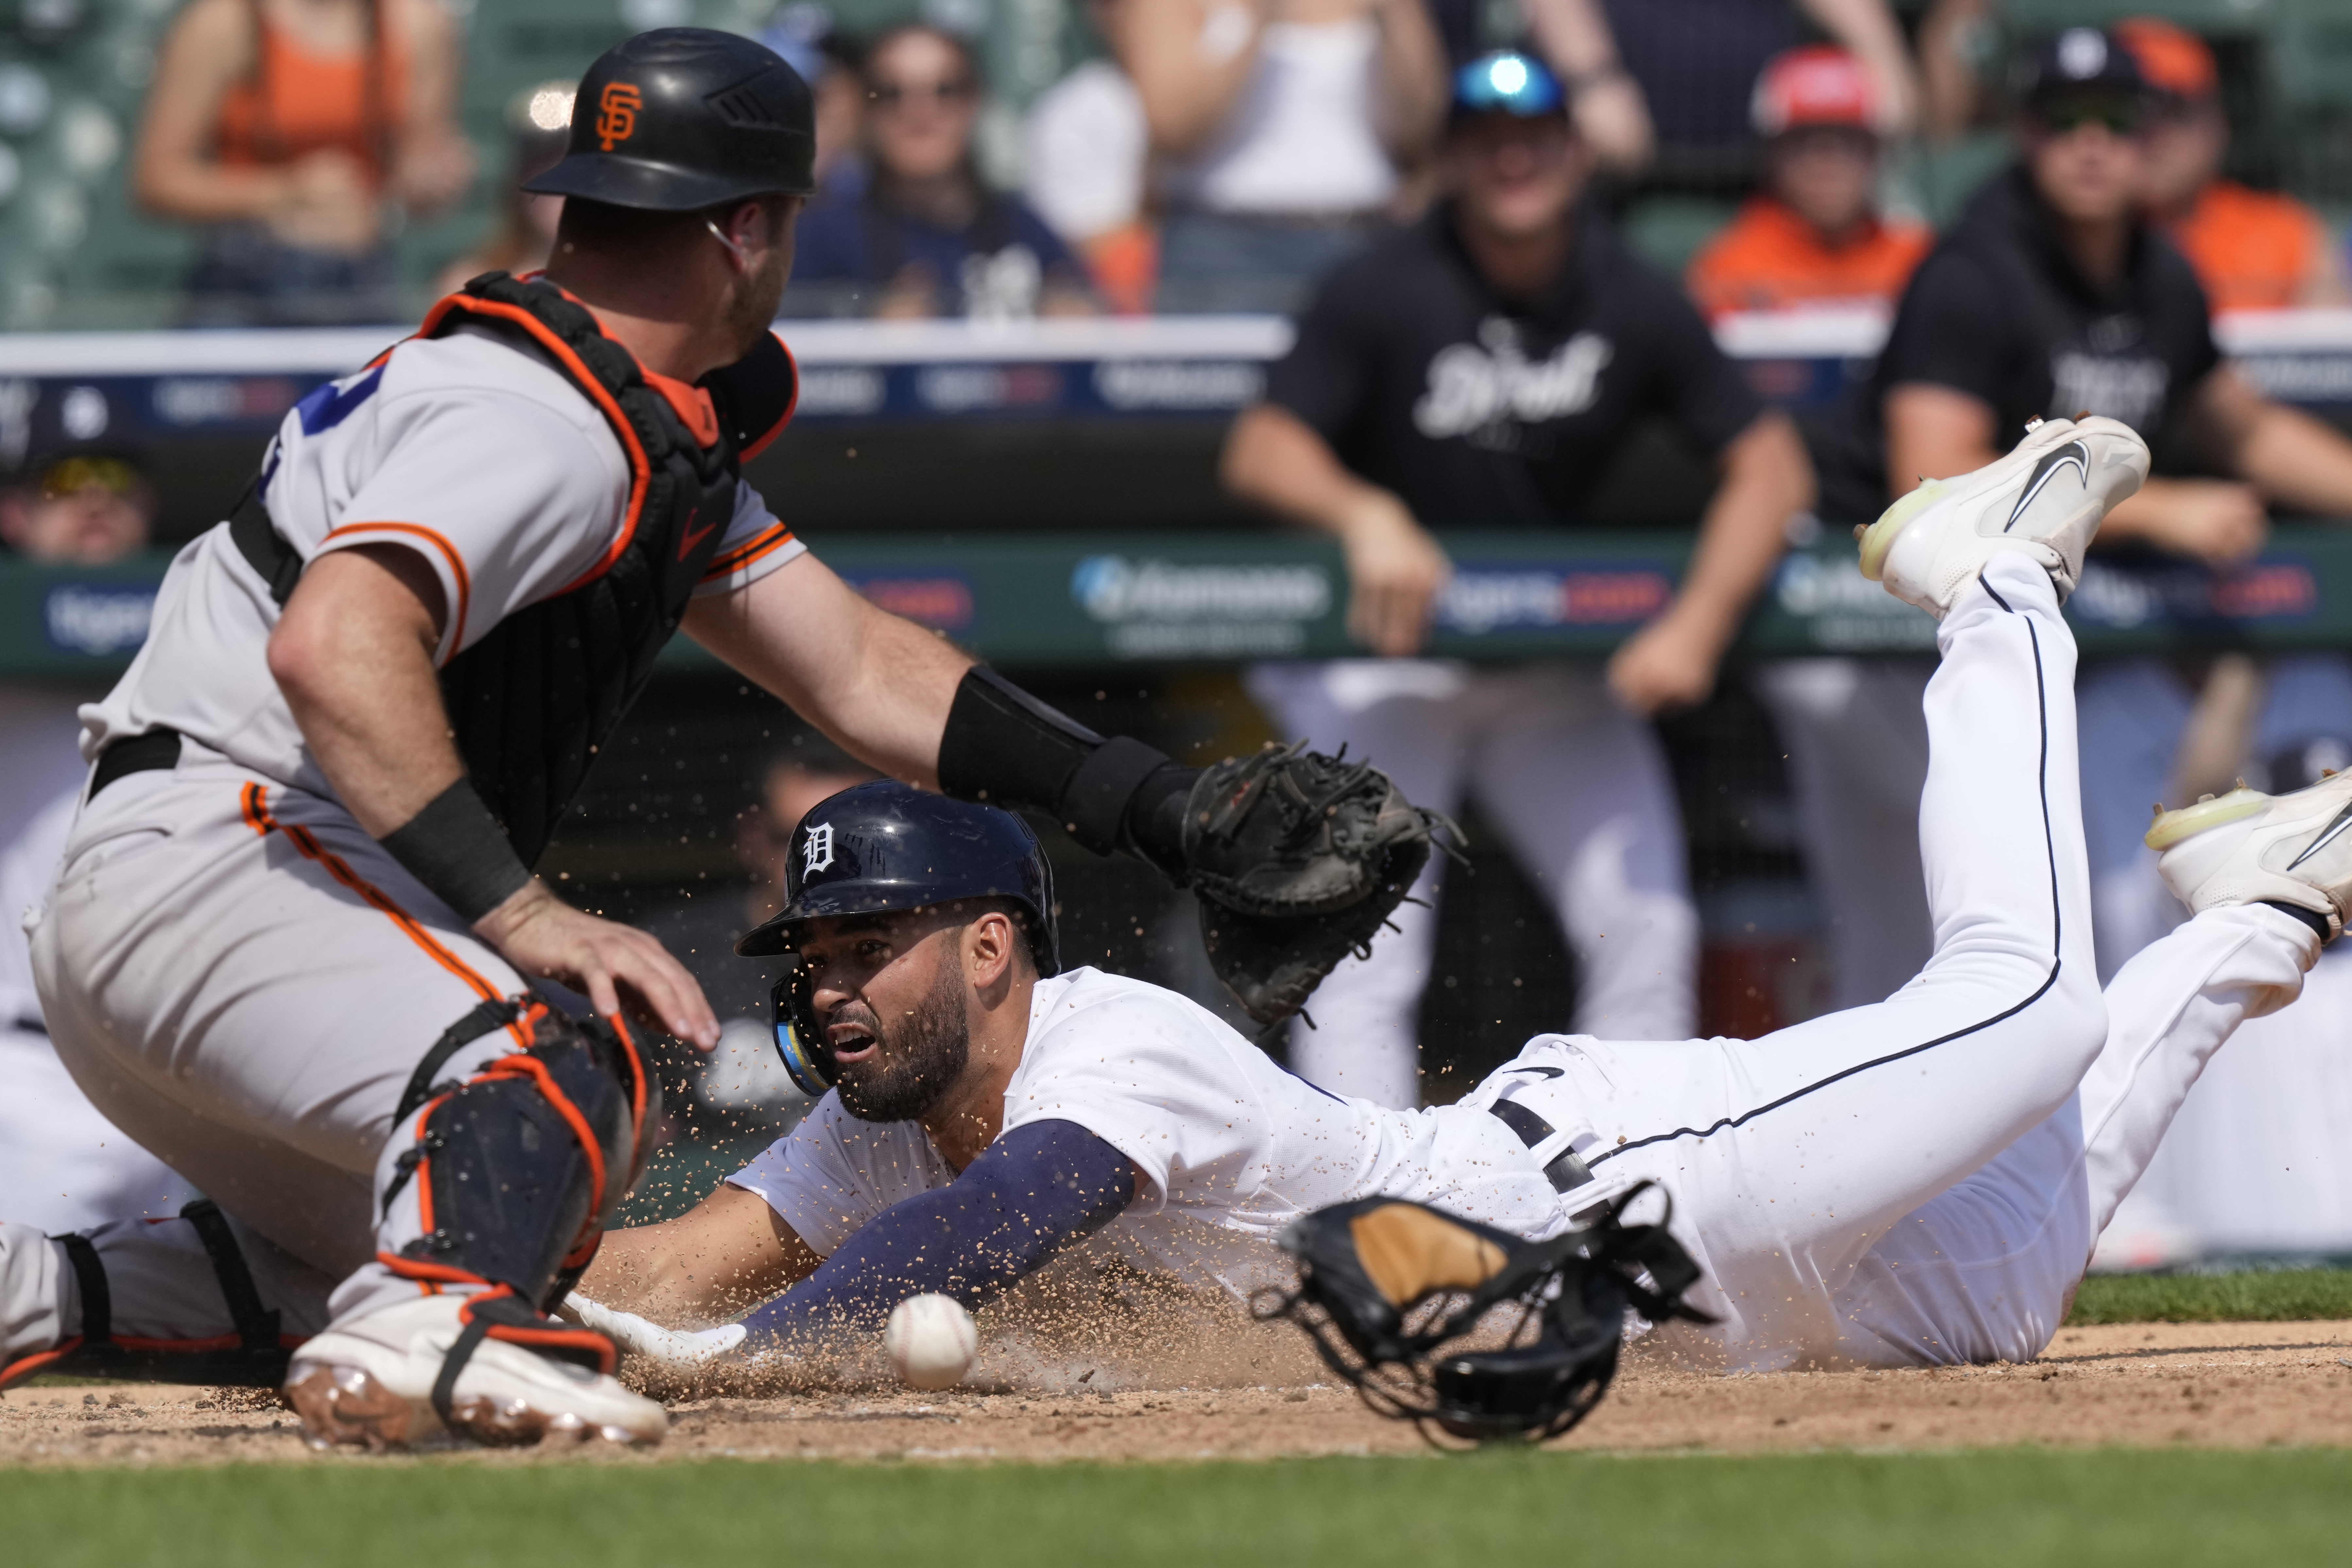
(2065, 119)
(74, 475)
(892, 94)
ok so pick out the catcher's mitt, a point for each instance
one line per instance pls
(1297, 858)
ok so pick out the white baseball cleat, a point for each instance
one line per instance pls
(370, 1382)
(2246, 847)
(2045, 498)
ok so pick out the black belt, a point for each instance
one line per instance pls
(134, 754)
(1567, 1173)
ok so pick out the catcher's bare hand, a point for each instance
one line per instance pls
(541, 935)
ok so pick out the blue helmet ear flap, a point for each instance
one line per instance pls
(806, 1058)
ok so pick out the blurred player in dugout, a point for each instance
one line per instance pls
(1482, 369)
(1812, 237)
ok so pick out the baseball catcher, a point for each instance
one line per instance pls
(291, 944)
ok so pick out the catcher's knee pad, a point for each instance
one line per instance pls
(519, 1169)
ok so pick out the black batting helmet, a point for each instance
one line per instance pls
(683, 118)
(882, 848)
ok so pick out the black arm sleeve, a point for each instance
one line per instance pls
(1004, 746)
(1036, 1190)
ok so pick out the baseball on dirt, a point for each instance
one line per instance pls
(931, 1340)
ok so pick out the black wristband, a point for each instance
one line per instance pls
(456, 848)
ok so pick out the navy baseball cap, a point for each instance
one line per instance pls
(1508, 82)
(2081, 63)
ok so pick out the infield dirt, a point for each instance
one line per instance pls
(2200, 1385)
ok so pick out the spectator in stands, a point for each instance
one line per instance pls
(1087, 144)
(538, 119)
(1484, 369)
(293, 130)
(832, 63)
(926, 234)
(1812, 237)
(1675, 77)
(1280, 130)
(60, 1162)
(2253, 250)
(743, 1077)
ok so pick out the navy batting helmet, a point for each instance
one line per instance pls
(883, 848)
(683, 118)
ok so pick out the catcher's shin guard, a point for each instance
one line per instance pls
(519, 1170)
(252, 1354)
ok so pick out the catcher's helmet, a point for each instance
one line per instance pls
(885, 846)
(683, 118)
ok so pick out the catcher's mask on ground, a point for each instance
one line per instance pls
(886, 847)
(1391, 1291)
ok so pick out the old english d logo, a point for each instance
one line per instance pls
(617, 113)
(816, 849)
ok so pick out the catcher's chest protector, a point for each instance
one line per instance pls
(534, 701)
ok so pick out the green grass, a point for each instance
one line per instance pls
(2277, 1296)
(2013, 1508)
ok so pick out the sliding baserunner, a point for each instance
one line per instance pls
(1915, 1182)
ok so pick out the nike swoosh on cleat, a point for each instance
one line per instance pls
(1547, 1072)
(2327, 834)
(2073, 452)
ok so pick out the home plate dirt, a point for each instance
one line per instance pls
(2207, 1384)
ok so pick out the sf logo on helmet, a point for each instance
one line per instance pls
(616, 117)
(816, 850)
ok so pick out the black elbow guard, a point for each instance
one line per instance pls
(1004, 746)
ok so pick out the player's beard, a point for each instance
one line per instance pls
(757, 298)
(918, 1058)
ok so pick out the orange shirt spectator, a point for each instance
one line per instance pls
(294, 131)
(1810, 238)
(2253, 251)
(1770, 259)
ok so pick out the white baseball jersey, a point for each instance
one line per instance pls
(1230, 1147)
(494, 469)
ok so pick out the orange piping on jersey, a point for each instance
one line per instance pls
(439, 541)
(760, 443)
(253, 801)
(766, 543)
(640, 468)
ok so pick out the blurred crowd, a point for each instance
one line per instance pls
(1207, 154)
